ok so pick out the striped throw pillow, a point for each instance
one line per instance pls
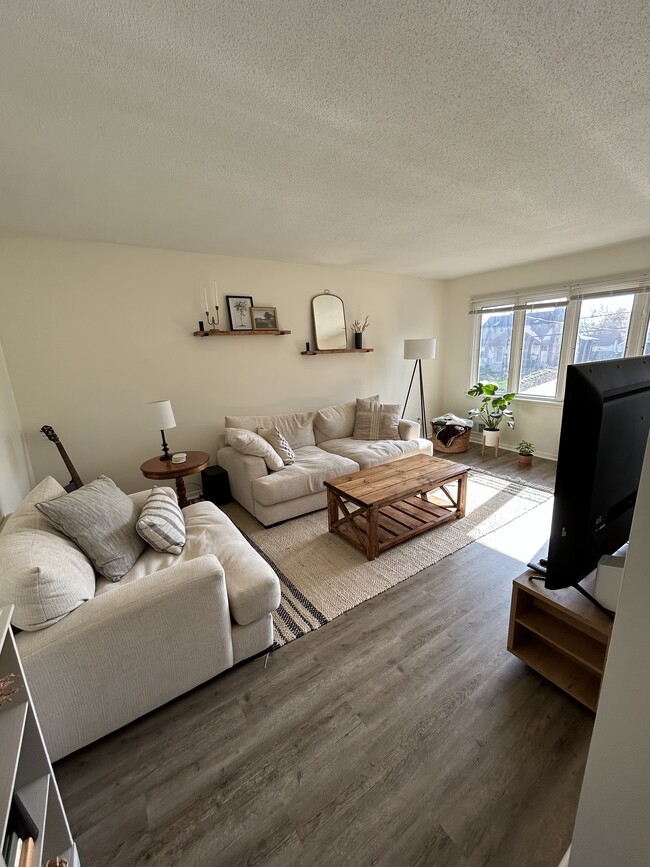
(161, 523)
(376, 421)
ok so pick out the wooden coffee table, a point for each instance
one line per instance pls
(380, 507)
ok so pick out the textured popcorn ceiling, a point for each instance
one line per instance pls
(430, 137)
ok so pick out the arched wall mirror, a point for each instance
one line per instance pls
(329, 321)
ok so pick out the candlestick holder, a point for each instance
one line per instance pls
(213, 322)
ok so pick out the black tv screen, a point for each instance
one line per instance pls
(605, 424)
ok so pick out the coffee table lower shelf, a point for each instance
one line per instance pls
(396, 523)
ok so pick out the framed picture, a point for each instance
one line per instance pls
(239, 311)
(264, 318)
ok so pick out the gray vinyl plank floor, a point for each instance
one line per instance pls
(401, 733)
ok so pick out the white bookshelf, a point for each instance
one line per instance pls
(24, 764)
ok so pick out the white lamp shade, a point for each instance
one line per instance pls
(160, 415)
(425, 348)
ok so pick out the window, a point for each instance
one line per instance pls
(602, 328)
(541, 351)
(524, 342)
(494, 348)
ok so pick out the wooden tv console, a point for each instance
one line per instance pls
(561, 635)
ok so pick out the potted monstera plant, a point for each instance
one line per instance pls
(492, 411)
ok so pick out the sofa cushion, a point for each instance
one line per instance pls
(296, 427)
(252, 585)
(306, 476)
(376, 421)
(27, 516)
(44, 576)
(248, 442)
(337, 421)
(370, 453)
(278, 442)
(100, 519)
(161, 523)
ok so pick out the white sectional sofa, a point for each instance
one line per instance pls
(171, 623)
(324, 447)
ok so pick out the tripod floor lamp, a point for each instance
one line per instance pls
(419, 349)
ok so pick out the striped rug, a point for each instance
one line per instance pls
(322, 576)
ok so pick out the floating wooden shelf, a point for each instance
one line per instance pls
(260, 333)
(332, 351)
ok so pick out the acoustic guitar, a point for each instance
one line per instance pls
(75, 479)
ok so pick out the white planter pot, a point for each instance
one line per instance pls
(491, 437)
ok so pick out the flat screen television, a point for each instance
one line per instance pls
(605, 424)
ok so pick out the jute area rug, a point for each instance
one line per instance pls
(322, 576)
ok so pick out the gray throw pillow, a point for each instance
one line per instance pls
(161, 523)
(101, 520)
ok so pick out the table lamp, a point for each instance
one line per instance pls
(419, 349)
(160, 416)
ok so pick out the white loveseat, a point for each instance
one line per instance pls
(171, 623)
(324, 447)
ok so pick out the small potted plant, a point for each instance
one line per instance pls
(492, 411)
(526, 451)
(357, 329)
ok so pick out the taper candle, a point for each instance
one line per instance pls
(205, 298)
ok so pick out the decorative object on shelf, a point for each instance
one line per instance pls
(357, 329)
(160, 416)
(7, 688)
(419, 349)
(526, 451)
(307, 346)
(201, 328)
(329, 322)
(213, 321)
(239, 310)
(264, 318)
(492, 411)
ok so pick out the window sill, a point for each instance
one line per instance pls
(542, 401)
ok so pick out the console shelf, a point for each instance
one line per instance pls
(561, 635)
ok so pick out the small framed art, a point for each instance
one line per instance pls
(239, 311)
(264, 318)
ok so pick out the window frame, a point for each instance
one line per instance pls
(520, 302)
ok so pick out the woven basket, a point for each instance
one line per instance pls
(458, 444)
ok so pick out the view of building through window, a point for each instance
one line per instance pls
(540, 353)
(494, 349)
(603, 328)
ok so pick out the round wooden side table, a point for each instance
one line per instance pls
(154, 468)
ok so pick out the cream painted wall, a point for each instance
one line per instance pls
(93, 331)
(539, 423)
(15, 470)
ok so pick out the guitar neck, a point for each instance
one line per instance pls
(74, 475)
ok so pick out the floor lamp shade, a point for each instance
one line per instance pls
(425, 348)
(160, 415)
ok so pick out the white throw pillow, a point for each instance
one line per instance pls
(27, 516)
(247, 442)
(44, 576)
(277, 442)
(337, 422)
(161, 523)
